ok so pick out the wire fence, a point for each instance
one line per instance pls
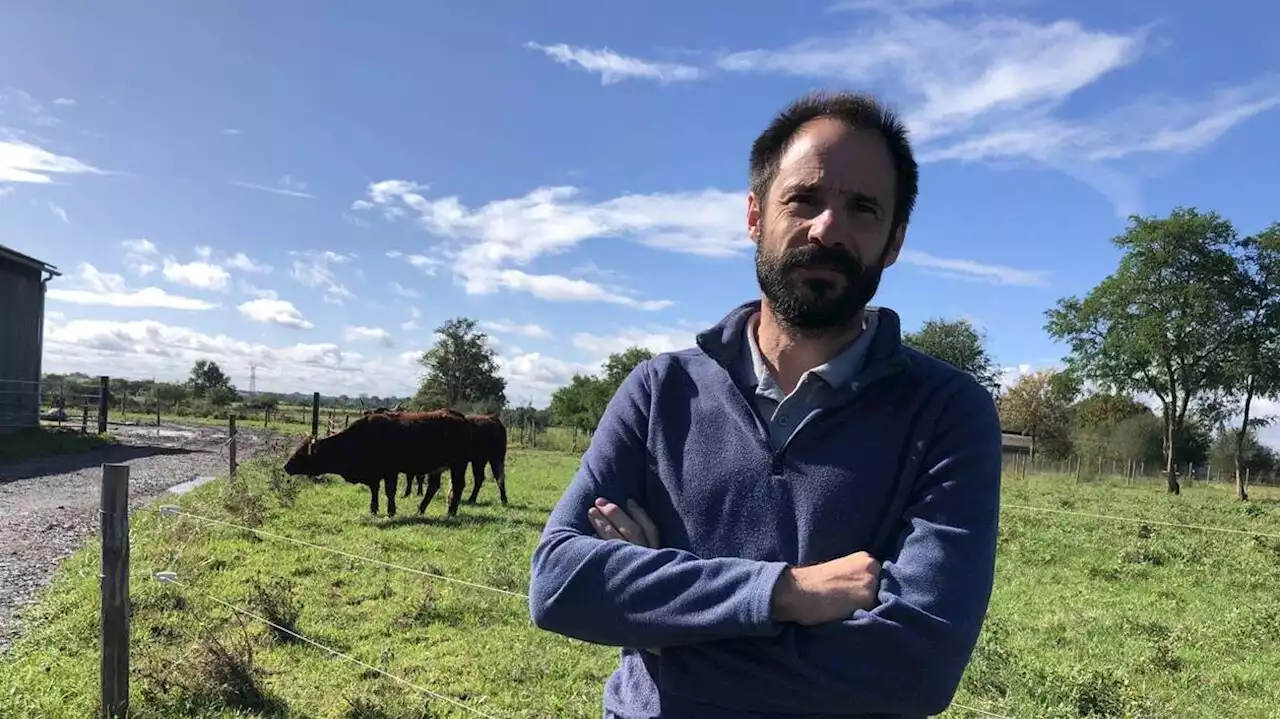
(174, 510)
(30, 403)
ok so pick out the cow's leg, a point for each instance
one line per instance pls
(420, 478)
(433, 486)
(477, 479)
(390, 481)
(500, 476)
(458, 480)
(408, 485)
(373, 497)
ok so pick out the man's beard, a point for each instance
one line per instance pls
(816, 304)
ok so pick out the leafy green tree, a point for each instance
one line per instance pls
(209, 383)
(1253, 366)
(582, 402)
(1039, 405)
(1161, 321)
(461, 370)
(959, 343)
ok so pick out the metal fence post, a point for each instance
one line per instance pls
(104, 399)
(114, 591)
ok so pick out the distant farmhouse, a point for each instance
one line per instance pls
(22, 286)
(1017, 444)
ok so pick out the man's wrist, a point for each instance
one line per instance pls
(786, 603)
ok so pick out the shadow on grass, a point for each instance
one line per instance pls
(65, 463)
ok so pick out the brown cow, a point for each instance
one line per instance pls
(379, 446)
(488, 446)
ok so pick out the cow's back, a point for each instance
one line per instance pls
(430, 441)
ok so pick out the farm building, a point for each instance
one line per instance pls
(1015, 443)
(22, 287)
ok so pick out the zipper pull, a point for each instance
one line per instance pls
(777, 464)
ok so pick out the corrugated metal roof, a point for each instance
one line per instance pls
(8, 253)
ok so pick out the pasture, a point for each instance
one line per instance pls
(1091, 617)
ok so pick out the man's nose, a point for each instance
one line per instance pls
(824, 229)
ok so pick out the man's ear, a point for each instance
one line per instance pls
(896, 240)
(754, 211)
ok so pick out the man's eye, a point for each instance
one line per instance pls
(803, 199)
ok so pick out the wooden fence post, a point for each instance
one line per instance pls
(104, 402)
(114, 591)
(315, 414)
(231, 445)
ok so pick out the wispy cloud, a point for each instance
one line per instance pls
(315, 268)
(983, 87)
(284, 186)
(971, 271)
(90, 286)
(491, 245)
(613, 67)
(376, 335)
(274, 311)
(24, 162)
(411, 325)
(401, 291)
(59, 212)
(525, 330)
(244, 263)
(200, 274)
(65, 102)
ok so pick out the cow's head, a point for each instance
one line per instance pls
(303, 459)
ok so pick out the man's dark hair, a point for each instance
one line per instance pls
(859, 111)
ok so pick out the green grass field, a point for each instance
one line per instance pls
(1091, 618)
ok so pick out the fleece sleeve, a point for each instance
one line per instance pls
(906, 655)
(620, 594)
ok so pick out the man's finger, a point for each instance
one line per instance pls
(645, 521)
(604, 528)
(627, 527)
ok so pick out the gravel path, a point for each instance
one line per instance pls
(49, 506)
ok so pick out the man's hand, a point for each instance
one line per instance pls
(633, 525)
(613, 523)
(827, 592)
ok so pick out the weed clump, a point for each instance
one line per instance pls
(275, 601)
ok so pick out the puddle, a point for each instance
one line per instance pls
(189, 485)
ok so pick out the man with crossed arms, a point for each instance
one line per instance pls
(798, 516)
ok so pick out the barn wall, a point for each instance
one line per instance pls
(21, 320)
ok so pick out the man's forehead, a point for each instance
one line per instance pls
(829, 152)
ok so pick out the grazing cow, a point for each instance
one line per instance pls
(488, 446)
(380, 445)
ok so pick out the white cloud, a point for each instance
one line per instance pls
(524, 330)
(376, 335)
(231, 131)
(5, 191)
(24, 162)
(59, 212)
(314, 268)
(93, 287)
(140, 246)
(269, 310)
(708, 223)
(657, 340)
(1269, 435)
(614, 68)
(145, 348)
(65, 102)
(533, 377)
(971, 271)
(991, 87)
(244, 263)
(284, 186)
(199, 274)
(411, 325)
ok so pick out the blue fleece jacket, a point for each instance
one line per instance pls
(904, 465)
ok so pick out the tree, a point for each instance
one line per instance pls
(1039, 404)
(1253, 365)
(959, 343)
(582, 402)
(1159, 323)
(210, 383)
(461, 370)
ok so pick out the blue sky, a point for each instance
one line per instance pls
(314, 187)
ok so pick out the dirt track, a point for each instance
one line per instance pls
(48, 506)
